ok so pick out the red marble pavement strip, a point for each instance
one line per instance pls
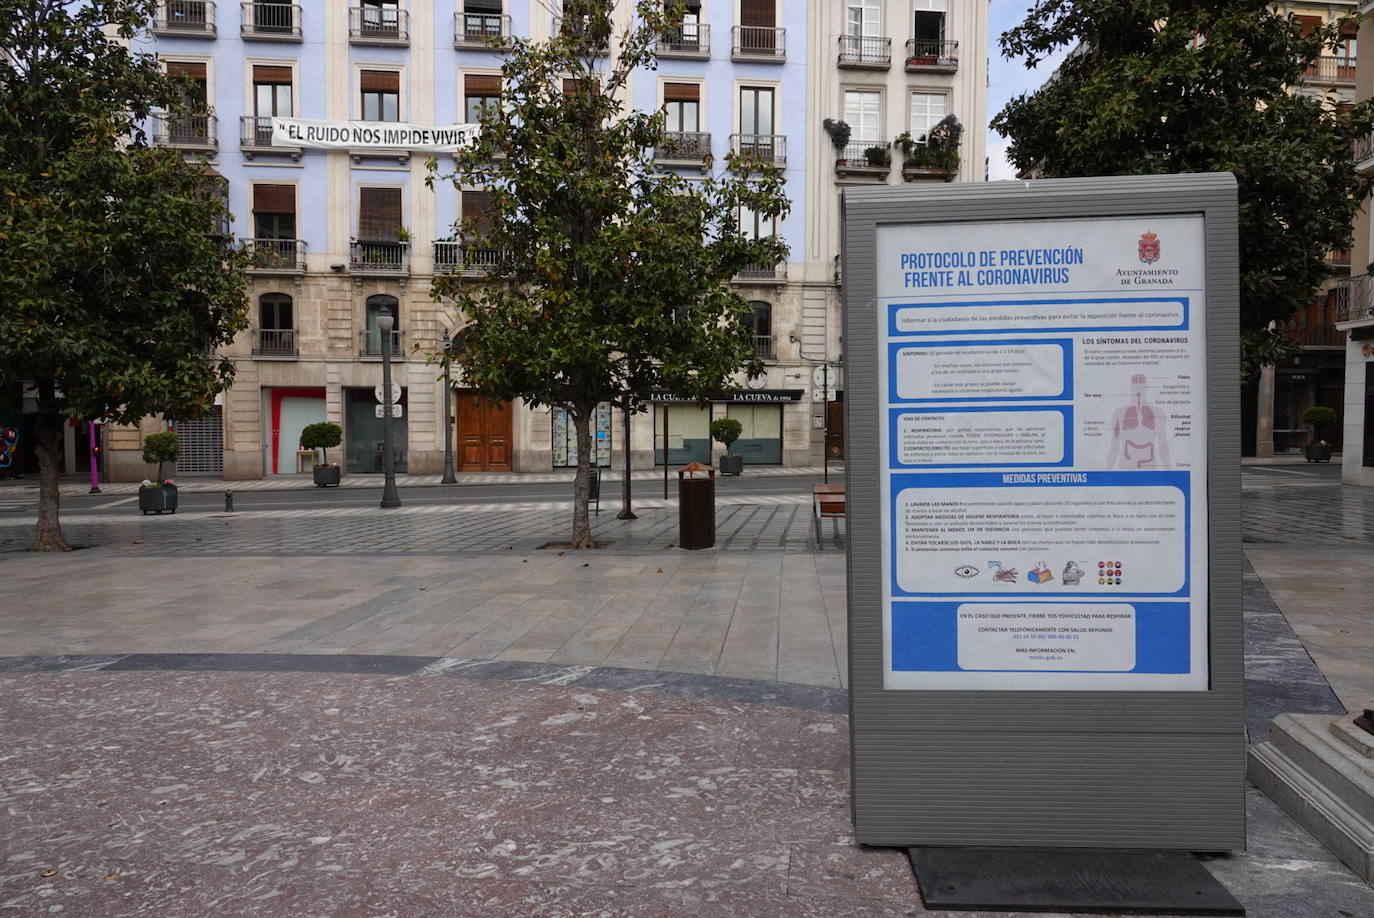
(301, 794)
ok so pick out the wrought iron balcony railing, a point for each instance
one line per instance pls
(185, 18)
(1354, 298)
(924, 54)
(684, 146)
(1364, 148)
(274, 342)
(767, 272)
(864, 154)
(378, 257)
(384, 25)
(190, 131)
(865, 51)
(763, 347)
(255, 137)
(687, 39)
(1313, 334)
(277, 254)
(759, 43)
(459, 258)
(477, 29)
(371, 343)
(1328, 69)
(270, 20)
(770, 148)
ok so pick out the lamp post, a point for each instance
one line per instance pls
(449, 477)
(625, 512)
(385, 323)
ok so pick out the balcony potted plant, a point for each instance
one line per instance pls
(726, 431)
(321, 436)
(1320, 417)
(877, 156)
(839, 136)
(161, 494)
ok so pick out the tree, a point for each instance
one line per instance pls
(116, 271)
(162, 447)
(1166, 86)
(321, 436)
(606, 279)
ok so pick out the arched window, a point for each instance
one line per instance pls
(276, 326)
(372, 341)
(760, 326)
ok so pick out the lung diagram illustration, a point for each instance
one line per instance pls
(1139, 436)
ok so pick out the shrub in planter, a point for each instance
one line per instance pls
(877, 156)
(726, 431)
(321, 436)
(1320, 417)
(160, 495)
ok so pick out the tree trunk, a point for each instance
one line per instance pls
(582, 527)
(48, 447)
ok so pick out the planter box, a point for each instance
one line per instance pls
(730, 465)
(326, 475)
(157, 500)
(1318, 452)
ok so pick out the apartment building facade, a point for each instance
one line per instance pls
(343, 234)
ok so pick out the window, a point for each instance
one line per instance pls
(375, 305)
(271, 96)
(479, 92)
(481, 19)
(476, 210)
(929, 24)
(758, 26)
(381, 17)
(274, 312)
(682, 103)
(759, 325)
(381, 97)
(379, 214)
(927, 108)
(754, 225)
(756, 121)
(861, 18)
(863, 113)
(193, 125)
(274, 212)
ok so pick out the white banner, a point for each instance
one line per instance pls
(374, 135)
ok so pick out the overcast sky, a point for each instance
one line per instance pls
(1007, 79)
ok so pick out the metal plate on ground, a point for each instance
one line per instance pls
(1069, 880)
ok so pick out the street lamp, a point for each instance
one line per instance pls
(385, 323)
(625, 512)
(449, 477)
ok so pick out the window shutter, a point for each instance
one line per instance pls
(477, 207)
(681, 92)
(379, 214)
(481, 84)
(195, 71)
(380, 80)
(274, 199)
(263, 74)
(482, 6)
(757, 13)
(571, 86)
(1309, 23)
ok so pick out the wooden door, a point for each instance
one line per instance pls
(483, 430)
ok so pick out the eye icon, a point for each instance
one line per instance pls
(966, 571)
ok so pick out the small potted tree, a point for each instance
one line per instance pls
(1320, 417)
(157, 496)
(321, 436)
(726, 431)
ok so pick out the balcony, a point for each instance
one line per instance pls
(683, 148)
(185, 19)
(923, 161)
(370, 344)
(275, 342)
(763, 347)
(872, 158)
(194, 131)
(452, 257)
(864, 52)
(479, 30)
(1313, 334)
(771, 148)
(759, 43)
(378, 25)
(1364, 152)
(762, 273)
(1354, 298)
(276, 256)
(255, 138)
(378, 257)
(267, 20)
(688, 40)
(927, 56)
(569, 28)
(1338, 71)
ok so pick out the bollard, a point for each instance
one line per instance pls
(228, 501)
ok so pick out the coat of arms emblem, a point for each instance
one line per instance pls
(1149, 248)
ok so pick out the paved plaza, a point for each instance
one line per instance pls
(338, 710)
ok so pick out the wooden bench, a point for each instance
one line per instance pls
(827, 502)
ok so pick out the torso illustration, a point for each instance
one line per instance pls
(1139, 439)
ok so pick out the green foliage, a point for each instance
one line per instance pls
(726, 431)
(839, 132)
(1167, 87)
(877, 156)
(161, 447)
(939, 149)
(322, 435)
(1320, 417)
(608, 278)
(118, 285)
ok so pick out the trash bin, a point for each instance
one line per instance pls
(696, 511)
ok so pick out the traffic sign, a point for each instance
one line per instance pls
(395, 393)
(381, 411)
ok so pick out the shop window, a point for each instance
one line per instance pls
(760, 440)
